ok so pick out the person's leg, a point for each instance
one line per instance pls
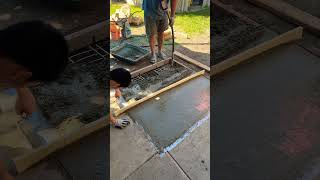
(152, 44)
(160, 41)
(151, 28)
(162, 25)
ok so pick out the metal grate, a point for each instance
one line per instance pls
(90, 54)
(159, 70)
(138, 79)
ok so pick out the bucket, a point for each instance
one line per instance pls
(114, 31)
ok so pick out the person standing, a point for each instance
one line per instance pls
(156, 22)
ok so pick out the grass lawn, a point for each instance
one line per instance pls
(115, 6)
(191, 23)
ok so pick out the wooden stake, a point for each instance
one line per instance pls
(192, 61)
(287, 11)
(287, 37)
(27, 160)
(152, 95)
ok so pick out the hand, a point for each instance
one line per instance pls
(25, 103)
(118, 93)
(171, 23)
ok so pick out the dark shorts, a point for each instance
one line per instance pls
(154, 26)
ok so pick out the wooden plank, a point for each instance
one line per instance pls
(86, 36)
(27, 160)
(149, 68)
(285, 10)
(287, 37)
(152, 95)
(192, 61)
(235, 13)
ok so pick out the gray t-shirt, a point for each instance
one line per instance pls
(153, 9)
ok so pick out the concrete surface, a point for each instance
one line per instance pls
(266, 116)
(159, 169)
(129, 149)
(176, 110)
(87, 158)
(193, 154)
(48, 170)
(67, 19)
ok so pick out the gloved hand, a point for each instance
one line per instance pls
(122, 123)
(171, 23)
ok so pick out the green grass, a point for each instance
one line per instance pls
(191, 23)
(113, 8)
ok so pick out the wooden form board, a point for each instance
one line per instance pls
(86, 36)
(192, 61)
(152, 95)
(235, 13)
(284, 38)
(283, 9)
(25, 161)
(149, 68)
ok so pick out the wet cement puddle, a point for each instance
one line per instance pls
(231, 34)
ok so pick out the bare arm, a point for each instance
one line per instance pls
(173, 7)
(26, 103)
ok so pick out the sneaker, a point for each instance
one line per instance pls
(162, 56)
(153, 59)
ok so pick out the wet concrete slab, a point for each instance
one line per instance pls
(193, 154)
(159, 168)
(130, 148)
(47, 170)
(266, 115)
(167, 117)
(87, 158)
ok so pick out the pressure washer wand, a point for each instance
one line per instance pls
(164, 6)
(172, 37)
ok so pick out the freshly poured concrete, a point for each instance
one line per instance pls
(48, 170)
(167, 117)
(193, 154)
(129, 149)
(87, 158)
(159, 169)
(266, 116)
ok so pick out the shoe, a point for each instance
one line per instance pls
(162, 56)
(153, 59)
